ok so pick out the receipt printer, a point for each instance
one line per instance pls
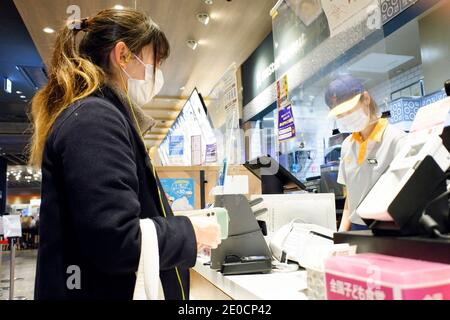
(416, 176)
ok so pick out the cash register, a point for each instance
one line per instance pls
(397, 202)
(407, 210)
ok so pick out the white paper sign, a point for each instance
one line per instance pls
(306, 10)
(236, 185)
(196, 150)
(224, 98)
(430, 120)
(11, 226)
(344, 14)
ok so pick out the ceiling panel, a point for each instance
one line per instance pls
(235, 30)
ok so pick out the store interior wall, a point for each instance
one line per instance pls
(435, 47)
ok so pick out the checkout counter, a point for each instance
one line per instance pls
(241, 268)
(407, 212)
(208, 284)
(402, 223)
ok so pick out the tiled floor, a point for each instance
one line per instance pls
(24, 273)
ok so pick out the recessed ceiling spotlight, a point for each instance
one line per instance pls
(182, 88)
(23, 97)
(19, 92)
(48, 30)
(192, 44)
(119, 7)
(208, 1)
(203, 18)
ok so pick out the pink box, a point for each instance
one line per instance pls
(379, 277)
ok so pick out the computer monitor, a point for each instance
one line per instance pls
(310, 208)
(274, 177)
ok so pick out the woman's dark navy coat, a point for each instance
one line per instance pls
(97, 183)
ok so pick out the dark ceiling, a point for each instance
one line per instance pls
(20, 62)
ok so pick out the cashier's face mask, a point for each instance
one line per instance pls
(356, 121)
(143, 91)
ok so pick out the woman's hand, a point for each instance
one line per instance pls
(207, 232)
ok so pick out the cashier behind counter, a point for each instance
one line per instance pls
(368, 151)
(411, 196)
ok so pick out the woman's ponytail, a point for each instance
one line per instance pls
(71, 77)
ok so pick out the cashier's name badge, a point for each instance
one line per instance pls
(372, 162)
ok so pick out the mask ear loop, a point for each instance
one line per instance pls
(131, 105)
(154, 70)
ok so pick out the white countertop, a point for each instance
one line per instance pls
(274, 286)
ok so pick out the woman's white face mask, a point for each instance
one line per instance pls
(356, 121)
(143, 91)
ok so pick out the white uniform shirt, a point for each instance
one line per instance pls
(363, 162)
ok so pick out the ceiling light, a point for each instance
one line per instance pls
(182, 88)
(19, 92)
(208, 1)
(23, 97)
(203, 18)
(119, 7)
(192, 44)
(48, 30)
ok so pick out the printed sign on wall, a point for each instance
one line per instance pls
(306, 10)
(180, 193)
(196, 150)
(344, 14)
(211, 153)
(176, 145)
(286, 124)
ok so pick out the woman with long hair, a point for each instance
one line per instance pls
(98, 181)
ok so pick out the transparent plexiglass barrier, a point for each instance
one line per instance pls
(314, 42)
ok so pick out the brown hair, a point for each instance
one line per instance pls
(77, 71)
(373, 107)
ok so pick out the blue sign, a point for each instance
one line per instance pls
(286, 125)
(211, 153)
(180, 193)
(176, 145)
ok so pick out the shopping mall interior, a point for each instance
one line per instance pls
(243, 123)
